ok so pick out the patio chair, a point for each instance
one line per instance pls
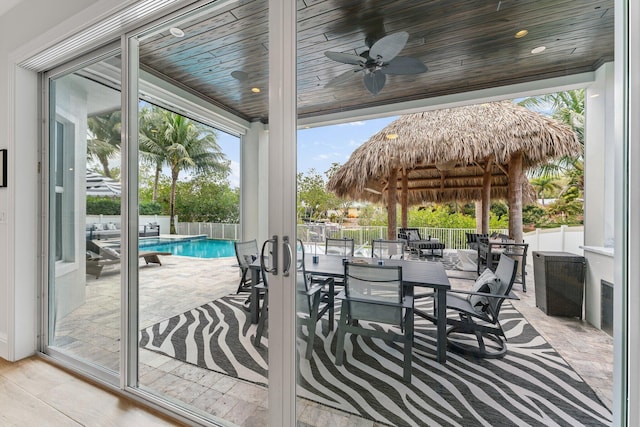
(246, 253)
(343, 247)
(420, 246)
(374, 293)
(310, 303)
(473, 239)
(482, 303)
(100, 255)
(389, 249)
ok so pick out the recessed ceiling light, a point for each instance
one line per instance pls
(176, 32)
(538, 49)
(392, 136)
(520, 34)
(255, 89)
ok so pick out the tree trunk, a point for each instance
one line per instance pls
(486, 197)
(156, 180)
(478, 216)
(104, 161)
(404, 199)
(515, 197)
(392, 219)
(172, 202)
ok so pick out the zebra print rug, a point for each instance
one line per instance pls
(531, 385)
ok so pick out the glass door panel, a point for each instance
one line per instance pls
(197, 344)
(84, 211)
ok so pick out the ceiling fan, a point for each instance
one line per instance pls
(377, 61)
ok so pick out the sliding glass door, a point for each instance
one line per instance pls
(84, 228)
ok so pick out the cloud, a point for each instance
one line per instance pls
(328, 156)
(234, 174)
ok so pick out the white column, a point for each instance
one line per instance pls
(599, 159)
(251, 169)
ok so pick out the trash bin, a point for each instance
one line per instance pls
(559, 282)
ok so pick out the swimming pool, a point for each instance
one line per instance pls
(198, 247)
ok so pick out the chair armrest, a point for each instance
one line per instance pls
(484, 294)
(312, 290)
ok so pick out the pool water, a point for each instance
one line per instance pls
(198, 248)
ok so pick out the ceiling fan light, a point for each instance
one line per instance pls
(520, 34)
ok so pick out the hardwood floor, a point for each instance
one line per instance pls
(34, 392)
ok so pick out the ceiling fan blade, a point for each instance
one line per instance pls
(344, 77)
(374, 82)
(345, 58)
(389, 46)
(404, 65)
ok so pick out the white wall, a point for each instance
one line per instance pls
(599, 158)
(27, 24)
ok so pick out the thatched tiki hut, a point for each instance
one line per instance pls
(472, 153)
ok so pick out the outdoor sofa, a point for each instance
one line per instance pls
(111, 230)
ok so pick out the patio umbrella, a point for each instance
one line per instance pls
(467, 153)
(100, 185)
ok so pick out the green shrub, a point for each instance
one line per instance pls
(103, 206)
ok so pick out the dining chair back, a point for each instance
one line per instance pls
(343, 247)
(311, 304)
(246, 253)
(389, 249)
(375, 294)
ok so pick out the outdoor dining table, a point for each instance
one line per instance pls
(422, 274)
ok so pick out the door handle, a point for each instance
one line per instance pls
(274, 255)
(288, 256)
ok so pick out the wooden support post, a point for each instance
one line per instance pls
(486, 196)
(404, 198)
(515, 197)
(392, 219)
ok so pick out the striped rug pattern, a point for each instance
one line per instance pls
(531, 385)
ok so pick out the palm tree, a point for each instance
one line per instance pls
(180, 144)
(152, 149)
(567, 107)
(104, 139)
(544, 184)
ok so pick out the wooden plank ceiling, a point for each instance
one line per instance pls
(466, 44)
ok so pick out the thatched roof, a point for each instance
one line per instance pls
(443, 152)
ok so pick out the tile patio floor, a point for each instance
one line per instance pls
(181, 283)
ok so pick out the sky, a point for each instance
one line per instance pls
(318, 148)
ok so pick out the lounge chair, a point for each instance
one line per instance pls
(99, 256)
(420, 246)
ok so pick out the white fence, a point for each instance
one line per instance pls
(565, 239)
(210, 229)
(453, 238)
